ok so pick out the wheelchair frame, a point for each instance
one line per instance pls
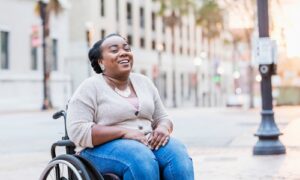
(76, 167)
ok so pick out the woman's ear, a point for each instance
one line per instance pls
(101, 64)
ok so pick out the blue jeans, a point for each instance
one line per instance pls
(132, 160)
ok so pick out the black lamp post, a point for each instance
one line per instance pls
(46, 74)
(268, 133)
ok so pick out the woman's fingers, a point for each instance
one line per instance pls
(136, 135)
(158, 142)
(165, 141)
(153, 139)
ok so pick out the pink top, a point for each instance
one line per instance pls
(134, 101)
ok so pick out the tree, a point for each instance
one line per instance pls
(210, 17)
(44, 9)
(244, 11)
(171, 12)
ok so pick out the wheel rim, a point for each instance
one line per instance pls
(50, 173)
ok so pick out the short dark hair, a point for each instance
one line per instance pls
(95, 53)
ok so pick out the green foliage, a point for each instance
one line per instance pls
(210, 17)
(172, 10)
(179, 6)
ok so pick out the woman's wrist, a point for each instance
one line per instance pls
(123, 132)
(166, 126)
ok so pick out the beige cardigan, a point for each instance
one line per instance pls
(95, 102)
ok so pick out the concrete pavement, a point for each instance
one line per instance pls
(220, 142)
(221, 146)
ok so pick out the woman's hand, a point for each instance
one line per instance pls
(159, 136)
(135, 135)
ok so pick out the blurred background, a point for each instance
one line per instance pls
(197, 52)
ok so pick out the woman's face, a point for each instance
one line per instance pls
(117, 57)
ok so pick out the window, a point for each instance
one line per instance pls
(129, 13)
(164, 46)
(164, 84)
(173, 47)
(129, 39)
(153, 21)
(4, 43)
(142, 18)
(142, 42)
(153, 45)
(102, 33)
(164, 28)
(117, 10)
(34, 57)
(182, 85)
(143, 71)
(102, 9)
(54, 54)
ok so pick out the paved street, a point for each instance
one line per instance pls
(220, 142)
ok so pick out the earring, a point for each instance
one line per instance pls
(102, 66)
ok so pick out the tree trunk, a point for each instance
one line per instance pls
(174, 100)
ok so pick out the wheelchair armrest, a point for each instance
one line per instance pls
(67, 143)
(70, 146)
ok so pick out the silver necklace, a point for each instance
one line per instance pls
(125, 93)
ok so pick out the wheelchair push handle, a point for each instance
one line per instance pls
(62, 113)
(59, 114)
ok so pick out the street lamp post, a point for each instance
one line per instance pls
(268, 132)
(46, 74)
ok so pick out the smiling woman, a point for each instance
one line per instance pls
(118, 122)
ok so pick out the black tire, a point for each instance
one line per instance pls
(93, 172)
(62, 166)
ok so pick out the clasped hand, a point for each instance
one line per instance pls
(159, 137)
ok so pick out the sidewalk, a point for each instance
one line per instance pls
(236, 161)
(220, 141)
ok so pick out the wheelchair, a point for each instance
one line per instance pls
(71, 166)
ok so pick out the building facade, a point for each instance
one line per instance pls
(75, 29)
(151, 42)
(21, 70)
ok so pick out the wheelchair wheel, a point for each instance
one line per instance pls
(65, 167)
(93, 172)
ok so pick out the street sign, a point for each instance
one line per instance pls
(264, 52)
